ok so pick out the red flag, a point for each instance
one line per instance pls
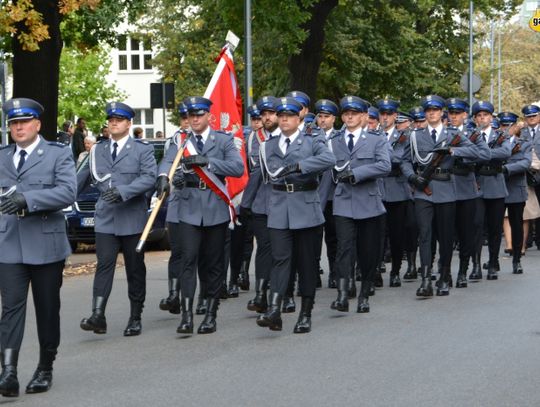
(224, 92)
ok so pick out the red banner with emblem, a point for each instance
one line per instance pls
(226, 109)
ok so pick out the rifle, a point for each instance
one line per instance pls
(435, 162)
(159, 202)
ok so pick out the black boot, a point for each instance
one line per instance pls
(243, 278)
(363, 298)
(476, 272)
(492, 270)
(395, 281)
(202, 305)
(289, 305)
(352, 288)
(186, 324)
(425, 289)
(332, 283)
(9, 384)
(42, 379)
(496, 265)
(411, 273)
(303, 325)
(134, 326)
(461, 281)
(272, 318)
(208, 325)
(260, 302)
(516, 268)
(96, 322)
(378, 281)
(233, 291)
(443, 288)
(172, 302)
(223, 292)
(342, 302)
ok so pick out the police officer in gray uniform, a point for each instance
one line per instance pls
(516, 183)
(37, 180)
(124, 171)
(362, 158)
(293, 162)
(255, 201)
(203, 215)
(434, 149)
(492, 183)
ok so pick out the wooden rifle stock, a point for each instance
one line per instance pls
(159, 202)
(435, 162)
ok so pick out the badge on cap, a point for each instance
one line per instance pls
(349, 99)
(16, 103)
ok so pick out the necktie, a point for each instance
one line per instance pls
(115, 147)
(434, 135)
(200, 144)
(484, 136)
(288, 142)
(22, 159)
(532, 132)
(350, 143)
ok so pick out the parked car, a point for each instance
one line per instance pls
(80, 215)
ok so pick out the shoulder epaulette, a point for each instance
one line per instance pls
(100, 141)
(372, 132)
(6, 146)
(138, 140)
(56, 143)
(224, 133)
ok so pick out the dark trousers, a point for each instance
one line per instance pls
(465, 215)
(494, 224)
(478, 224)
(302, 245)
(441, 217)
(515, 218)
(203, 246)
(263, 255)
(241, 246)
(174, 241)
(107, 248)
(360, 237)
(330, 237)
(396, 215)
(46, 281)
(411, 228)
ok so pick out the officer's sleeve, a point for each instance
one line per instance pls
(250, 192)
(232, 165)
(147, 175)
(406, 165)
(321, 160)
(167, 161)
(64, 190)
(522, 164)
(503, 152)
(467, 149)
(380, 168)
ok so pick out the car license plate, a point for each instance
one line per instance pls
(87, 222)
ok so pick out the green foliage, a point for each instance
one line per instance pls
(83, 90)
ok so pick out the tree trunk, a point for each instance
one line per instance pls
(304, 67)
(36, 74)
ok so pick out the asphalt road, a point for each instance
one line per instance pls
(478, 347)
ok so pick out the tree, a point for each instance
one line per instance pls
(83, 92)
(36, 42)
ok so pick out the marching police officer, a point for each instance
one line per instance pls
(362, 158)
(419, 117)
(37, 180)
(124, 170)
(203, 213)
(255, 201)
(293, 162)
(373, 118)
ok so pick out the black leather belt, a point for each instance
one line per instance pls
(309, 186)
(462, 169)
(199, 185)
(25, 214)
(490, 170)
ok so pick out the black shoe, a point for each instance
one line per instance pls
(172, 302)
(202, 306)
(382, 267)
(303, 325)
(342, 302)
(96, 322)
(492, 273)
(425, 289)
(378, 281)
(371, 290)
(260, 302)
(395, 281)
(332, 282)
(289, 305)
(272, 318)
(233, 291)
(411, 273)
(443, 288)
(352, 288)
(496, 265)
(223, 292)
(208, 325)
(516, 268)
(461, 281)
(134, 327)
(9, 384)
(243, 277)
(363, 298)
(41, 381)
(186, 324)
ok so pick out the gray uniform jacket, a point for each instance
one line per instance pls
(395, 185)
(327, 185)
(133, 173)
(163, 168)
(494, 186)
(442, 191)
(299, 209)
(467, 185)
(518, 163)
(48, 182)
(202, 207)
(369, 161)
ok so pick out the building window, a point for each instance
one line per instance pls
(144, 118)
(134, 54)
